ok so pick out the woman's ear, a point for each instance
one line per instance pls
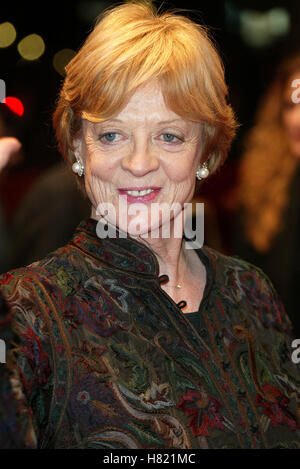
(78, 165)
(78, 147)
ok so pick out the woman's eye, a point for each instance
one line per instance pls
(114, 137)
(109, 137)
(170, 138)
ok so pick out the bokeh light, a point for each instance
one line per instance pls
(260, 29)
(15, 105)
(7, 34)
(31, 47)
(279, 21)
(61, 59)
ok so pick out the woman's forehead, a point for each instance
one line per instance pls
(145, 99)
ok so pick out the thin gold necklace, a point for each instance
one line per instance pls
(179, 285)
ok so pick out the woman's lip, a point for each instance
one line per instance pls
(138, 188)
(139, 198)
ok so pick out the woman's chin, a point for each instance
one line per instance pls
(141, 230)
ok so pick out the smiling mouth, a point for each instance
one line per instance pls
(140, 193)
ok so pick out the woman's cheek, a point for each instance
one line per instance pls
(182, 175)
(98, 168)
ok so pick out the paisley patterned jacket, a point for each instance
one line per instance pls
(99, 356)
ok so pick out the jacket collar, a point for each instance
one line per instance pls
(129, 254)
(122, 253)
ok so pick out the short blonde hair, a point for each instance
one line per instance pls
(130, 45)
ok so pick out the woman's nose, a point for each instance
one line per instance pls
(140, 161)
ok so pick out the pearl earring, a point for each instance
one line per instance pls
(202, 172)
(78, 167)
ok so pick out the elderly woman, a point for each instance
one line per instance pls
(130, 340)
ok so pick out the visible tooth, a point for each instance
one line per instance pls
(140, 193)
(133, 193)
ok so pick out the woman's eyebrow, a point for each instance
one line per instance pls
(169, 121)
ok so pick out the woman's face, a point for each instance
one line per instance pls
(291, 116)
(148, 148)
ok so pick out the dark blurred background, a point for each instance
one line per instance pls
(252, 37)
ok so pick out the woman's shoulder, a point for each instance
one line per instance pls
(249, 287)
(29, 325)
(58, 263)
(224, 264)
